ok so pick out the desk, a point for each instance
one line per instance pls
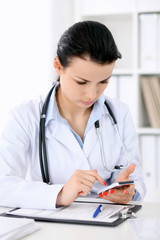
(57, 231)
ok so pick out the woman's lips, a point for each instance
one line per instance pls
(87, 103)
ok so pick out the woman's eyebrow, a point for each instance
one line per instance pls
(82, 79)
(85, 80)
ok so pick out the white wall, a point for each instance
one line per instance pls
(29, 31)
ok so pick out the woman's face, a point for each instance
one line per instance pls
(82, 83)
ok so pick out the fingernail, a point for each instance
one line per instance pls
(126, 191)
(111, 191)
(100, 195)
(105, 193)
(134, 165)
(105, 183)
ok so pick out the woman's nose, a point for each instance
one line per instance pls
(91, 93)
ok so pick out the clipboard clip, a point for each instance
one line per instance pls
(127, 213)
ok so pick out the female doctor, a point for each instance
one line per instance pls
(82, 156)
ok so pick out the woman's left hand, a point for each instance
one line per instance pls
(124, 194)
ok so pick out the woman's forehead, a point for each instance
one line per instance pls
(88, 69)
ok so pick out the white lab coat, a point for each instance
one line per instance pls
(20, 176)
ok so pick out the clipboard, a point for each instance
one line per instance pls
(61, 215)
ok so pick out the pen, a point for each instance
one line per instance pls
(97, 211)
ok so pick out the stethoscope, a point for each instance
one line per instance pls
(42, 144)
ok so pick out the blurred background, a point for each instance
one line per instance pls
(29, 32)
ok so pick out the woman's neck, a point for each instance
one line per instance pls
(68, 109)
(76, 117)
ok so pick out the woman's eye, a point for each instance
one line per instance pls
(105, 81)
(81, 83)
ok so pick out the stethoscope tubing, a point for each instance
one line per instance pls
(42, 145)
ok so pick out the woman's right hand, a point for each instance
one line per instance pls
(79, 184)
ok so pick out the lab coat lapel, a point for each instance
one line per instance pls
(90, 141)
(63, 134)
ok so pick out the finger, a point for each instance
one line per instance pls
(130, 190)
(112, 191)
(124, 190)
(120, 198)
(92, 173)
(86, 176)
(84, 190)
(128, 193)
(98, 177)
(116, 192)
(87, 180)
(125, 174)
(118, 195)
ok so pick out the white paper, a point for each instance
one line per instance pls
(75, 211)
(15, 228)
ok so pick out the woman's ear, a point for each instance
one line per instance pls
(57, 65)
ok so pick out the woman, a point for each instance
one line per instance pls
(85, 60)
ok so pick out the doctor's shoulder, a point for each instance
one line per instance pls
(119, 108)
(27, 114)
(121, 112)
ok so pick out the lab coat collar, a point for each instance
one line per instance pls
(52, 111)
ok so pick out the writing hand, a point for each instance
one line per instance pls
(124, 194)
(79, 184)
